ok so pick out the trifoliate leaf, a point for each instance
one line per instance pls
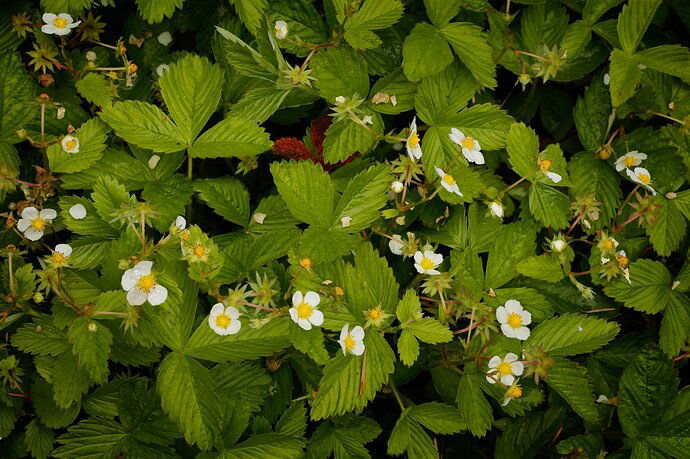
(91, 344)
(15, 93)
(408, 435)
(438, 417)
(430, 330)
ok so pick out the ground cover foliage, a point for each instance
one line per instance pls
(344, 228)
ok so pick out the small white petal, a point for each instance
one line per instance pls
(358, 348)
(158, 295)
(494, 362)
(316, 317)
(153, 161)
(312, 298)
(130, 279)
(501, 314)
(23, 224)
(64, 249)
(508, 380)
(297, 298)
(77, 211)
(30, 213)
(48, 214)
(33, 234)
(304, 323)
(136, 296)
(510, 357)
(217, 309)
(143, 267)
(165, 38)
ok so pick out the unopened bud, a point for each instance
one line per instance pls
(397, 186)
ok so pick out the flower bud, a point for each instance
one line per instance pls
(397, 186)
(558, 245)
(496, 209)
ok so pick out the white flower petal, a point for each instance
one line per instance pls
(344, 332)
(312, 298)
(418, 256)
(297, 298)
(293, 314)
(33, 234)
(501, 314)
(510, 357)
(494, 362)
(48, 18)
(304, 323)
(77, 211)
(513, 307)
(526, 317)
(508, 380)
(357, 333)
(23, 224)
(136, 296)
(158, 295)
(164, 38)
(234, 327)
(508, 330)
(64, 249)
(522, 333)
(518, 368)
(130, 279)
(490, 379)
(232, 312)
(30, 213)
(48, 214)
(358, 348)
(48, 29)
(316, 317)
(143, 267)
(217, 309)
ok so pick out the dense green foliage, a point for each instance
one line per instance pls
(344, 228)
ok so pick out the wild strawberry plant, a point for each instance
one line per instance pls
(348, 228)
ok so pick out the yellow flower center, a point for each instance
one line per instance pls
(504, 369)
(514, 392)
(184, 235)
(339, 291)
(38, 224)
(71, 144)
(514, 320)
(644, 178)
(467, 142)
(60, 23)
(413, 140)
(58, 257)
(608, 245)
(545, 164)
(349, 343)
(449, 179)
(146, 282)
(426, 263)
(223, 321)
(304, 310)
(622, 261)
(305, 262)
(199, 250)
(374, 314)
(629, 161)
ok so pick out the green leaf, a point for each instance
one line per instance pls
(576, 37)
(572, 334)
(675, 326)
(191, 89)
(145, 126)
(40, 337)
(408, 347)
(572, 382)
(625, 76)
(92, 136)
(364, 196)
(307, 191)
(96, 89)
(250, 12)
(259, 104)
(670, 59)
(340, 72)
(372, 15)
(91, 438)
(39, 439)
(227, 197)
(70, 381)
(293, 421)
(442, 11)
(440, 96)
(549, 206)
(189, 396)
(395, 85)
(91, 224)
(513, 243)
(309, 342)
(425, 52)
(264, 445)
(375, 283)
(92, 348)
(592, 113)
(647, 386)
(16, 90)
(248, 343)
(633, 22)
(229, 138)
(649, 289)
(303, 20)
(155, 10)
(526, 436)
(430, 331)
(523, 148)
(475, 409)
(47, 411)
(669, 227)
(595, 9)
(409, 307)
(438, 417)
(346, 137)
(109, 197)
(543, 267)
(408, 435)
(472, 47)
(345, 439)
(339, 389)
(245, 59)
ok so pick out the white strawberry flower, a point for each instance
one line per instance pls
(77, 211)
(513, 319)
(352, 341)
(62, 251)
(58, 24)
(641, 175)
(447, 181)
(395, 244)
(140, 285)
(304, 310)
(504, 370)
(224, 320)
(470, 147)
(630, 159)
(281, 30)
(427, 262)
(161, 69)
(412, 142)
(496, 209)
(33, 223)
(70, 144)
